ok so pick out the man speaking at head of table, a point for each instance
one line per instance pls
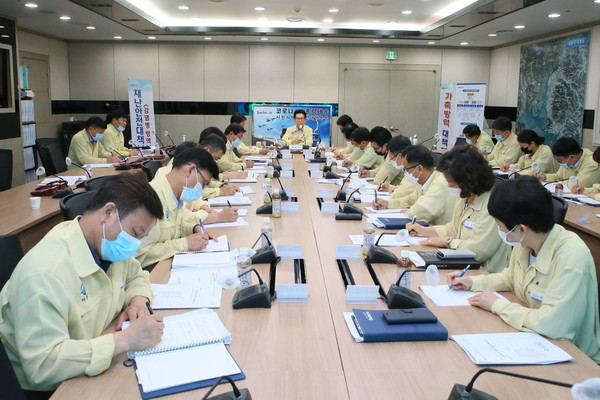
(299, 133)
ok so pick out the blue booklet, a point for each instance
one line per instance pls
(397, 223)
(370, 326)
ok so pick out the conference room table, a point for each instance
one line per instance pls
(304, 350)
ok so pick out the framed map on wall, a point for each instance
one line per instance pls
(552, 81)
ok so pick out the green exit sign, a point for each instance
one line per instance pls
(391, 55)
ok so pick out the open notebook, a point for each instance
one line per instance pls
(191, 355)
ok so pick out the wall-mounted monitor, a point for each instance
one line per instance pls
(7, 82)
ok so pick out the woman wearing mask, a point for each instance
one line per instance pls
(551, 270)
(535, 152)
(470, 180)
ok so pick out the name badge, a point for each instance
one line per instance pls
(287, 173)
(362, 294)
(537, 296)
(470, 224)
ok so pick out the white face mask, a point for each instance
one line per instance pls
(455, 192)
(395, 165)
(504, 235)
(411, 178)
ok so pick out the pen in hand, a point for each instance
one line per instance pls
(150, 310)
(228, 203)
(464, 271)
(201, 225)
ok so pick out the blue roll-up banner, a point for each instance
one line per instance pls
(141, 109)
(270, 121)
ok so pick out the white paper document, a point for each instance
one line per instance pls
(98, 165)
(191, 260)
(368, 198)
(238, 222)
(192, 276)
(513, 348)
(207, 295)
(251, 178)
(71, 180)
(233, 200)
(388, 215)
(442, 297)
(247, 190)
(242, 212)
(385, 211)
(216, 246)
(551, 187)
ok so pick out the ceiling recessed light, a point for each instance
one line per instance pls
(183, 8)
(294, 19)
(31, 5)
(430, 42)
(207, 38)
(597, 1)
(151, 37)
(320, 40)
(328, 20)
(65, 17)
(117, 37)
(264, 38)
(519, 26)
(5, 36)
(91, 28)
(407, 12)
(333, 10)
(492, 34)
(259, 9)
(376, 41)
(554, 15)
(464, 43)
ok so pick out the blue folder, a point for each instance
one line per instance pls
(374, 328)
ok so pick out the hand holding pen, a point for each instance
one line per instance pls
(458, 280)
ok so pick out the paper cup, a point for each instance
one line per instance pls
(35, 202)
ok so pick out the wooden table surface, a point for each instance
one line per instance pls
(304, 350)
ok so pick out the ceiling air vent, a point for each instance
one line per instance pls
(129, 19)
(488, 12)
(457, 26)
(101, 5)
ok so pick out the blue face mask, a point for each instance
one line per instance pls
(236, 142)
(469, 141)
(123, 247)
(499, 138)
(188, 194)
(121, 128)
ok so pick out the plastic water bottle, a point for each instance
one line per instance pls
(368, 236)
(404, 264)
(244, 263)
(276, 213)
(184, 139)
(267, 229)
(415, 140)
(267, 190)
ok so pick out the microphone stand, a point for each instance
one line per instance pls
(170, 138)
(341, 195)
(238, 394)
(282, 192)
(63, 192)
(87, 173)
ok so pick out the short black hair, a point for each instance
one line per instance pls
(212, 130)
(183, 146)
(471, 130)
(418, 154)
(344, 120)
(95, 122)
(596, 155)
(214, 144)
(348, 129)
(200, 158)
(237, 118)
(523, 200)
(502, 124)
(129, 192)
(361, 134)
(566, 146)
(235, 128)
(117, 114)
(528, 136)
(398, 143)
(469, 169)
(380, 135)
(300, 112)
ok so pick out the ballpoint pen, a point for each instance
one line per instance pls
(464, 271)
(228, 203)
(201, 225)
(149, 308)
(375, 194)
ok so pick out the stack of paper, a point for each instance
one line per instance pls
(388, 240)
(191, 260)
(170, 296)
(192, 276)
(247, 190)
(251, 178)
(221, 244)
(238, 222)
(242, 212)
(515, 348)
(442, 296)
(368, 198)
(230, 200)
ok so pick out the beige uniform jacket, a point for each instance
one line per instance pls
(543, 156)
(368, 158)
(229, 161)
(112, 137)
(559, 289)
(56, 305)
(506, 152)
(306, 135)
(587, 172)
(473, 228)
(484, 144)
(386, 172)
(82, 151)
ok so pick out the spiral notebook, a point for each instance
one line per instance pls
(191, 355)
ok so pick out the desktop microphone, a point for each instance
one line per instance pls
(68, 161)
(113, 150)
(255, 296)
(170, 138)
(236, 394)
(121, 167)
(332, 175)
(436, 136)
(282, 192)
(139, 149)
(341, 195)
(460, 392)
(61, 193)
(548, 183)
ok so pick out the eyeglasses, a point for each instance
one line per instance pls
(377, 148)
(204, 180)
(300, 118)
(414, 166)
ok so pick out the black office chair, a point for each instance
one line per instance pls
(6, 169)
(51, 155)
(95, 183)
(150, 168)
(74, 204)
(560, 209)
(11, 251)
(436, 157)
(11, 389)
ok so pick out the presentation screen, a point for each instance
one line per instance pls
(270, 121)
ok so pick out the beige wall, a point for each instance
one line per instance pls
(504, 78)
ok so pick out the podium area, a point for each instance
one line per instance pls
(304, 350)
